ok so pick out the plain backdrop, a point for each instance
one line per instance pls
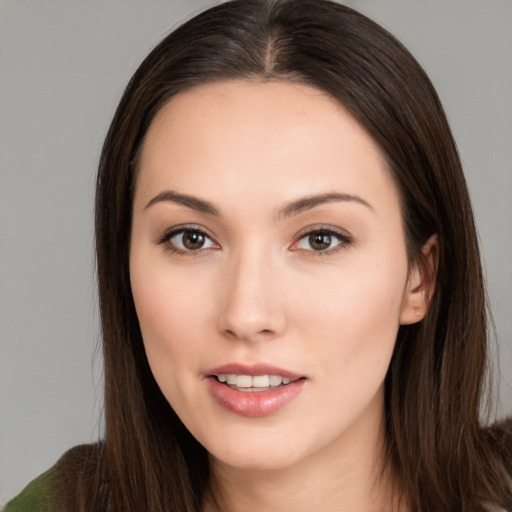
(63, 66)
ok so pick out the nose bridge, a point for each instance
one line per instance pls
(250, 307)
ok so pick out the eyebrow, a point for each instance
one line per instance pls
(184, 199)
(293, 208)
(310, 202)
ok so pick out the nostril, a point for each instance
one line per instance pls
(246, 335)
(244, 319)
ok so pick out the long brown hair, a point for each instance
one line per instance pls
(444, 458)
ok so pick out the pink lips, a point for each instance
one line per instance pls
(253, 369)
(257, 403)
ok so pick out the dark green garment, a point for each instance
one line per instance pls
(34, 497)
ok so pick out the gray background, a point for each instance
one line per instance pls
(63, 66)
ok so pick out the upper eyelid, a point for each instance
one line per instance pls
(345, 239)
(325, 228)
(170, 232)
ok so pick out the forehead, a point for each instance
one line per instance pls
(275, 138)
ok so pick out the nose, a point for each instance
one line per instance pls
(252, 298)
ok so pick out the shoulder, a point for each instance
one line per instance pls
(34, 497)
(39, 494)
(500, 436)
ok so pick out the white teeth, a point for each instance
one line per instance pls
(261, 381)
(275, 380)
(256, 381)
(243, 381)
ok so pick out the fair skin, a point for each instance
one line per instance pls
(248, 273)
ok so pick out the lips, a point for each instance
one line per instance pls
(253, 390)
(253, 369)
(253, 383)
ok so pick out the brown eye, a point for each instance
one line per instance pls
(188, 240)
(319, 241)
(322, 241)
(192, 240)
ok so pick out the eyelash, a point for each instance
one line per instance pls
(165, 239)
(344, 240)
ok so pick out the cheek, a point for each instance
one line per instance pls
(356, 318)
(350, 331)
(172, 311)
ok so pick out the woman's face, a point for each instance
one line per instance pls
(269, 270)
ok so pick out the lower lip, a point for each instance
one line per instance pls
(256, 403)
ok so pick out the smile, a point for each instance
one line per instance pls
(248, 383)
(254, 390)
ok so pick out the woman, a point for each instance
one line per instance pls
(292, 302)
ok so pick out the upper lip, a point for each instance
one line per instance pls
(252, 370)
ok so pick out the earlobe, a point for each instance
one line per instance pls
(420, 285)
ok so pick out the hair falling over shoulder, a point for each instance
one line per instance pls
(446, 458)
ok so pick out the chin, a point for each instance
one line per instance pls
(255, 460)
(255, 452)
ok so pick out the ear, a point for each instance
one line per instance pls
(420, 284)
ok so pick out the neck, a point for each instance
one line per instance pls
(349, 474)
